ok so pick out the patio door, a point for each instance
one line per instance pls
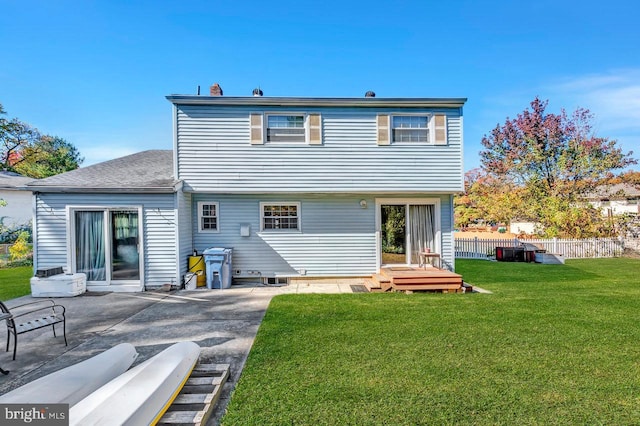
(106, 245)
(406, 228)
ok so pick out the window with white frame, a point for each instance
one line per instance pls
(280, 216)
(286, 128)
(208, 216)
(410, 128)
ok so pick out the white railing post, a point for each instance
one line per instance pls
(475, 247)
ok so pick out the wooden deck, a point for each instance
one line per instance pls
(407, 278)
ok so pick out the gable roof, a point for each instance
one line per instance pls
(146, 171)
(619, 191)
(13, 181)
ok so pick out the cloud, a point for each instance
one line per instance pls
(614, 98)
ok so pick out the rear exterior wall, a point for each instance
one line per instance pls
(214, 154)
(337, 237)
(159, 230)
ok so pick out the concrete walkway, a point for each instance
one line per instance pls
(223, 322)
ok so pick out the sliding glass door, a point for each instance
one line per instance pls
(90, 245)
(106, 245)
(406, 229)
(125, 241)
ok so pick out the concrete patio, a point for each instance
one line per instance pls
(223, 322)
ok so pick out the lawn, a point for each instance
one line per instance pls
(14, 282)
(553, 344)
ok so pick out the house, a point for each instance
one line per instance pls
(17, 211)
(297, 187)
(616, 199)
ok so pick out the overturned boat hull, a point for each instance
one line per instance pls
(74, 383)
(142, 394)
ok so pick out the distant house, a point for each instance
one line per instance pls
(298, 187)
(616, 199)
(18, 210)
(523, 227)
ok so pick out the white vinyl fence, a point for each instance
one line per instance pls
(476, 248)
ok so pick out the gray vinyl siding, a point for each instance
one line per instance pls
(214, 154)
(337, 236)
(159, 230)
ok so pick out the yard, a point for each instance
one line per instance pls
(14, 282)
(553, 344)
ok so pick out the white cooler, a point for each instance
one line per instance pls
(61, 285)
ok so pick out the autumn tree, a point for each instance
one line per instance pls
(25, 150)
(552, 161)
(48, 156)
(487, 199)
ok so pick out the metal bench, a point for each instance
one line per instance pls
(33, 316)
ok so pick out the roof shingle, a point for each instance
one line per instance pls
(144, 171)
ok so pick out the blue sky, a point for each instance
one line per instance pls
(96, 72)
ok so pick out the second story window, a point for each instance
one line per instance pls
(285, 128)
(208, 216)
(410, 128)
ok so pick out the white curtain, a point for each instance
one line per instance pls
(90, 254)
(421, 230)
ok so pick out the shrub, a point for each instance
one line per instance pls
(21, 249)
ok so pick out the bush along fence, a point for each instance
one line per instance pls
(476, 248)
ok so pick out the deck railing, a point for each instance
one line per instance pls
(477, 248)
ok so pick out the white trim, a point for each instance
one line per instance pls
(407, 202)
(175, 141)
(34, 230)
(217, 216)
(281, 203)
(108, 283)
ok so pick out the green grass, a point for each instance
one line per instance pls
(14, 282)
(553, 344)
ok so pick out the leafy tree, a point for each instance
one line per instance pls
(488, 199)
(541, 165)
(25, 150)
(48, 156)
(14, 137)
(630, 177)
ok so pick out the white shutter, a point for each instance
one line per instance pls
(440, 129)
(257, 131)
(384, 132)
(315, 129)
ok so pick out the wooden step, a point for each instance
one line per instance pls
(428, 280)
(199, 396)
(380, 283)
(426, 287)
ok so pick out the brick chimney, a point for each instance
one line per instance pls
(215, 90)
